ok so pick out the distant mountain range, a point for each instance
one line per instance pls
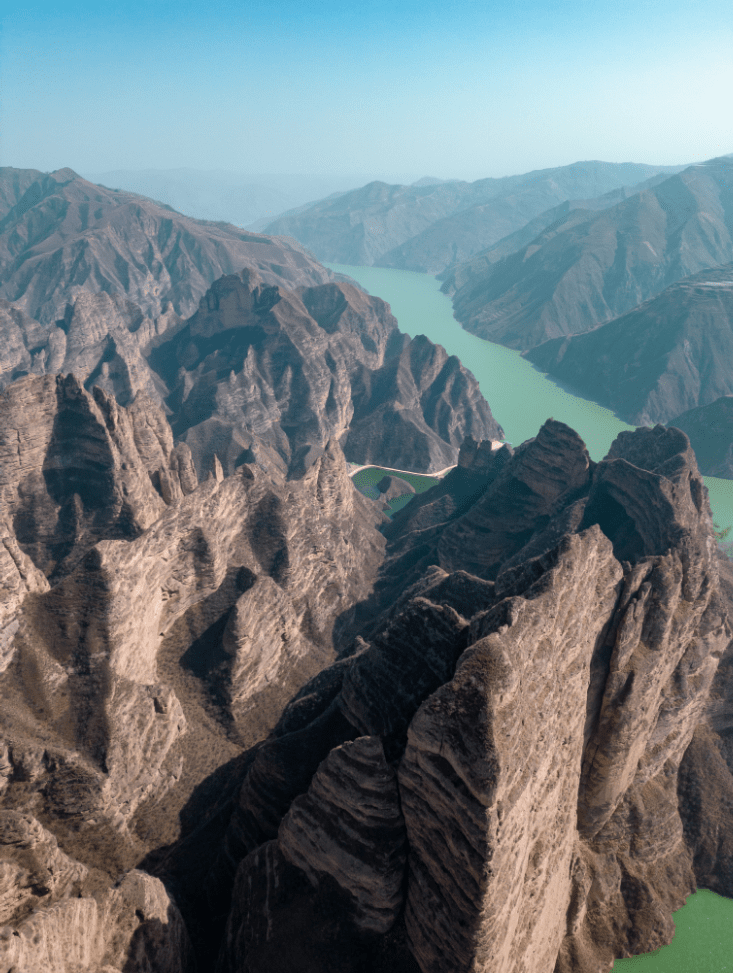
(590, 267)
(431, 227)
(231, 197)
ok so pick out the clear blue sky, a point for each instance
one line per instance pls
(452, 89)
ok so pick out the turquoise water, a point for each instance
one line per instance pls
(366, 481)
(703, 940)
(521, 398)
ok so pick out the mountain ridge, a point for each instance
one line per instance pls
(368, 225)
(583, 272)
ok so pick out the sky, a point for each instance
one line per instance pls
(464, 89)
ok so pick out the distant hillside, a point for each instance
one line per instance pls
(429, 227)
(228, 196)
(458, 274)
(710, 428)
(670, 354)
(587, 269)
(60, 235)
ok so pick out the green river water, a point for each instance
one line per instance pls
(521, 398)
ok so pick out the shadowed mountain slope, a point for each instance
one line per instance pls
(670, 354)
(234, 725)
(270, 375)
(710, 430)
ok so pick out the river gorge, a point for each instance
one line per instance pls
(521, 398)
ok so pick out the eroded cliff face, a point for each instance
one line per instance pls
(266, 374)
(535, 712)
(153, 628)
(242, 727)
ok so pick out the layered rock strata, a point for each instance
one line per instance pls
(262, 373)
(538, 764)
(170, 634)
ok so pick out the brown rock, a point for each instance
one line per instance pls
(489, 780)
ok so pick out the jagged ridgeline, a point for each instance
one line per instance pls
(265, 364)
(247, 725)
(245, 731)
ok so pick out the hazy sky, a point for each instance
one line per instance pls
(450, 89)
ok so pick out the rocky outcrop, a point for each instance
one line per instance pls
(537, 748)
(437, 405)
(134, 925)
(72, 473)
(504, 745)
(275, 360)
(393, 487)
(489, 779)
(265, 374)
(345, 839)
(60, 917)
(580, 273)
(543, 470)
(168, 637)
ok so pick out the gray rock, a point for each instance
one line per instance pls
(580, 273)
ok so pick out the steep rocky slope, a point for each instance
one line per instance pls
(429, 227)
(61, 235)
(152, 628)
(231, 726)
(264, 373)
(582, 272)
(532, 715)
(269, 375)
(670, 354)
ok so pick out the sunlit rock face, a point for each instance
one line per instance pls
(489, 779)
(538, 767)
(166, 636)
(493, 740)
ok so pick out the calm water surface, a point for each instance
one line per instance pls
(521, 398)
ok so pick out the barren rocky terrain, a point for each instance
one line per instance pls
(245, 730)
(249, 725)
(671, 354)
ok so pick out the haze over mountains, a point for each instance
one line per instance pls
(590, 267)
(269, 368)
(60, 234)
(227, 196)
(428, 228)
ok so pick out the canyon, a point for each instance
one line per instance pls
(249, 724)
